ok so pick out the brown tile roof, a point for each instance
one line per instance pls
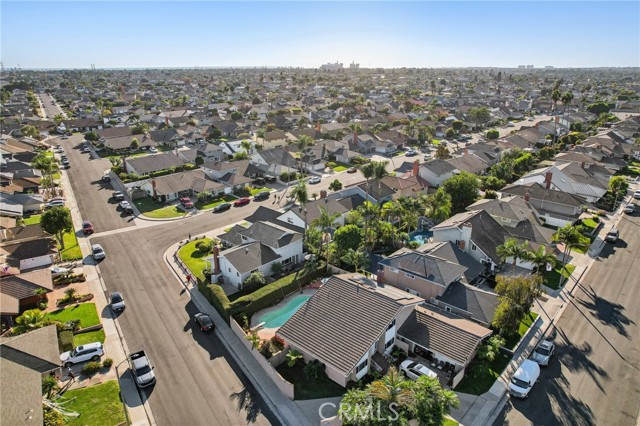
(17, 287)
(443, 332)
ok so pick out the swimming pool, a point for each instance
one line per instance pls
(277, 318)
(421, 237)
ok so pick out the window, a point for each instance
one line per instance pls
(447, 308)
(362, 366)
(290, 220)
(229, 269)
(415, 293)
(237, 274)
(410, 276)
(393, 270)
(392, 324)
(389, 343)
(473, 247)
(287, 261)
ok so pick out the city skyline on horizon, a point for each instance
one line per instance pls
(131, 35)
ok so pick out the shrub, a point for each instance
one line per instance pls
(493, 134)
(331, 164)
(276, 343)
(65, 340)
(254, 282)
(601, 213)
(107, 363)
(91, 368)
(266, 350)
(490, 194)
(216, 297)
(73, 325)
(204, 246)
(284, 176)
(314, 370)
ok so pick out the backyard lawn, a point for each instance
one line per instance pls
(150, 208)
(193, 258)
(209, 204)
(98, 405)
(71, 247)
(479, 379)
(85, 312)
(524, 326)
(91, 336)
(305, 389)
(32, 220)
(552, 278)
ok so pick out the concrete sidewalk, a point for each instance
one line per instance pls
(285, 410)
(138, 413)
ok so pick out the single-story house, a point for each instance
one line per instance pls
(170, 187)
(17, 292)
(147, 164)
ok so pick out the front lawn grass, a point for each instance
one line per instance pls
(71, 247)
(32, 220)
(589, 223)
(209, 204)
(309, 389)
(585, 243)
(85, 312)
(88, 337)
(449, 422)
(435, 141)
(479, 378)
(526, 322)
(552, 278)
(339, 169)
(151, 209)
(98, 405)
(194, 258)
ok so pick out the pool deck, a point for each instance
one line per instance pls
(268, 333)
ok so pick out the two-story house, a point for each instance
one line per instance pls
(436, 171)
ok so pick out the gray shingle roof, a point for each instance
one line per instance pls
(438, 167)
(479, 303)
(247, 257)
(449, 251)
(425, 266)
(342, 320)
(270, 234)
(445, 333)
(152, 163)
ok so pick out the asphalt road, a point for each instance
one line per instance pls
(51, 110)
(594, 378)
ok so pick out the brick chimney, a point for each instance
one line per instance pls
(547, 180)
(318, 126)
(166, 121)
(216, 260)
(526, 197)
(466, 151)
(416, 168)
(153, 185)
(323, 194)
(582, 164)
(380, 276)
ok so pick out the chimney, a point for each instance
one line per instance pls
(582, 164)
(416, 168)
(323, 194)
(355, 138)
(166, 121)
(466, 151)
(465, 235)
(526, 197)
(153, 184)
(318, 128)
(380, 276)
(547, 180)
(536, 125)
(216, 260)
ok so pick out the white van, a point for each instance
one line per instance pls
(524, 379)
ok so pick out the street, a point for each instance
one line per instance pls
(50, 110)
(594, 377)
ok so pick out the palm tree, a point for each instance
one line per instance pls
(511, 249)
(301, 195)
(393, 212)
(369, 212)
(32, 319)
(46, 166)
(438, 205)
(379, 172)
(358, 258)
(367, 171)
(324, 221)
(555, 97)
(540, 258)
(566, 101)
(355, 128)
(49, 386)
(246, 145)
(571, 237)
(410, 220)
(392, 388)
(302, 143)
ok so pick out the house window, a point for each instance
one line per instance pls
(473, 247)
(362, 366)
(394, 270)
(290, 220)
(287, 261)
(255, 270)
(229, 269)
(392, 324)
(415, 293)
(410, 276)
(237, 274)
(447, 308)
(389, 343)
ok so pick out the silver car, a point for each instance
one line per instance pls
(117, 302)
(542, 353)
(97, 252)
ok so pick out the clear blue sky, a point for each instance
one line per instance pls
(375, 34)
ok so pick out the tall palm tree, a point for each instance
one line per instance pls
(301, 195)
(410, 220)
(540, 258)
(355, 128)
(302, 143)
(438, 205)
(555, 97)
(246, 145)
(566, 101)
(358, 258)
(379, 172)
(324, 221)
(511, 249)
(570, 236)
(367, 171)
(393, 212)
(392, 388)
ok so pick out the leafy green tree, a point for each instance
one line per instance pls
(463, 189)
(347, 237)
(236, 115)
(442, 152)
(246, 145)
(135, 144)
(438, 205)
(457, 125)
(199, 160)
(600, 107)
(516, 295)
(356, 258)
(255, 280)
(479, 115)
(618, 185)
(92, 136)
(492, 183)
(492, 134)
(139, 129)
(47, 167)
(511, 249)
(30, 131)
(336, 185)
(240, 155)
(56, 222)
(450, 133)
(490, 349)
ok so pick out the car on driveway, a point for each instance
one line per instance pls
(186, 202)
(86, 149)
(241, 201)
(612, 236)
(153, 149)
(411, 152)
(118, 196)
(221, 207)
(87, 352)
(54, 203)
(314, 179)
(630, 208)
(204, 322)
(116, 302)
(97, 252)
(524, 378)
(414, 370)
(636, 194)
(542, 353)
(87, 228)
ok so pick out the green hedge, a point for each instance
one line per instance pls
(65, 340)
(216, 297)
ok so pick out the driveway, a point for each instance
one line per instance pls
(594, 378)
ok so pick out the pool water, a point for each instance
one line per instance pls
(277, 318)
(422, 237)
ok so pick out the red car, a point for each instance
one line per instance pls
(87, 227)
(241, 201)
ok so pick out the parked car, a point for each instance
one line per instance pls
(630, 208)
(261, 196)
(153, 149)
(186, 202)
(352, 170)
(411, 152)
(204, 322)
(60, 270)
(510, 124)
(118, 196)
(86, 149)
(116, 302)
(415, 370)
(221, 207)
(241, 201)
(542, 353)
(59, 149)
(106, 177)
(65, 137)
(97, 252)
(636, 194)
(314, 179)
(612, 236)
(87, 352)
(523, 380)
(126, 207)
(65, 163)
(87, 228)
(54, 203)
(142, 369)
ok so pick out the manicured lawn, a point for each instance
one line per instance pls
(478, 378)
(85, 312)
(589, 223)
(435, 141)
(71, 247)
(48, 153)
(91, 336)
(450, 422)
(209, 204)
(339, 169)
(552, 278)
(32, 220)
(98, 405)
(524, 326)
(305, 389)
(586, 242)
(57, 176)
(150, 208)
(254, 191)
(193, 258)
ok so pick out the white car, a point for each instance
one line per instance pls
(542, 353)
(59, 270)
(86, 149)
(524, 379)
(88, 352)
(153, 149)
(415, 370)
(54, 203)
(636, 194)
(97, 252)
(314, 179)
(630, 208)
(117, 302)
